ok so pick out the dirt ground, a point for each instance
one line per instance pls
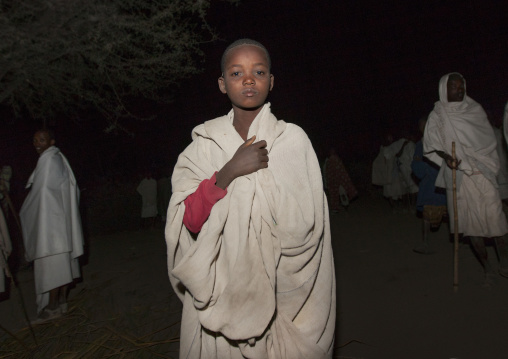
(391, 302)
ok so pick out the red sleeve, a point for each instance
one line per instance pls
(199, 204)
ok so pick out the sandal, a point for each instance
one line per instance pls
(46, 315)
(64, 307)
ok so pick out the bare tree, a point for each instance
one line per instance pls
(65, 56)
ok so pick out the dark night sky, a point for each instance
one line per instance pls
(345, 71)
(348, 71)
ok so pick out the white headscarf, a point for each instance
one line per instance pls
(465, 123)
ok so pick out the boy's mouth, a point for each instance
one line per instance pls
(249, 92)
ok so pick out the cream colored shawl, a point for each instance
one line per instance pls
(505, 123)
(466, 124)
(5, 249)
(50, 217)
(259, 280)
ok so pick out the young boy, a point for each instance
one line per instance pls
(248, 235)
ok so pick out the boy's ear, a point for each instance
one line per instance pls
(271, 81)
(222, 85)
(52, 142)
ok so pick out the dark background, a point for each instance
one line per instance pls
(347, 72)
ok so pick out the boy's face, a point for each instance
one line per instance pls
(42, 141)
(246, 79)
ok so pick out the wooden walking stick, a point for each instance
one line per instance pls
(455, 223)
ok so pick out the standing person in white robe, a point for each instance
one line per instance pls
(147, 188)
(51, 226)
(394, 188)
(404, 160)
(5, 187)
(505, 123)
(256, 277)
(458, 118)
(5, 250)
(502, 175)
(398, 156)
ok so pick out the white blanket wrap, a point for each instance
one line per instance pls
(259, 280)
(5, 249)
(465, 123)
(50, 216)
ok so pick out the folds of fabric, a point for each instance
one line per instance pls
(480, 211)
(5, 249)
(395, 188)
(53, 272)
(404, 166)
(258, 281)
(505, 123)
(50, 217)
(502, 175)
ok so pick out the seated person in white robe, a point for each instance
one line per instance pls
(51, 225)
(248, 235)
(457, 118)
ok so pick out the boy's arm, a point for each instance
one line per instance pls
(249, 158)
(199, 204)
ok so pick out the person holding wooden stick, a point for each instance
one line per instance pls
(458, 118)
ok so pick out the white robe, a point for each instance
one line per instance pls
(399, 170)
(404, 165)
(147, 188)
(51, 224)
(505, 123)
(5, 250)
(259, 280)
(465, 123)
(502, 175)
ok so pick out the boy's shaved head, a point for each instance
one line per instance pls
(243, 42)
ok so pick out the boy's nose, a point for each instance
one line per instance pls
(248, 80)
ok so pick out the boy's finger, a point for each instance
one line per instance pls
(250, 141)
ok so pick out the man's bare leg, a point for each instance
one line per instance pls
(424, 247)
(502, 255)
(478, 244)
(58, 297)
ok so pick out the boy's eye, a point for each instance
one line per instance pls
(234, 74)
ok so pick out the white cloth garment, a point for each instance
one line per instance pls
(505, 122)
(502, 175)
(259, 279)
(147, 188)
(404, 166)
(5, 250)
(465, 123)
(396, 187)
(51, 224)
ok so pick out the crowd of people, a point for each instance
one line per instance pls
(248, 228)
